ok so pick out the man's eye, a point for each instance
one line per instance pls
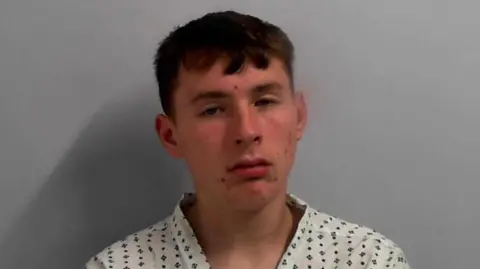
(264, 102)
(211, 111)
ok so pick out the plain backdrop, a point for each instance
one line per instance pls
(392, 143)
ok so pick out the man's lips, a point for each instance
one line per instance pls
(251, 168)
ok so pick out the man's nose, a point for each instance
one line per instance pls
(247, 128)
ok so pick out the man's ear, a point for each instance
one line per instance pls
(302, 114)
(166, 132)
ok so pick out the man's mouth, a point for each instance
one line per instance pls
(251, 168)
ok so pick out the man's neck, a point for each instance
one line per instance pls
(234, 231)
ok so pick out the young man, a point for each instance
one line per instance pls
(231, 112)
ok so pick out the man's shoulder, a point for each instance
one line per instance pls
(350, 238)
(336, 228)
(366, 245)
(341, 228)
(133, 250)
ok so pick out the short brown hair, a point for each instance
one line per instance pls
(201, 42)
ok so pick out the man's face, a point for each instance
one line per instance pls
(237, 133)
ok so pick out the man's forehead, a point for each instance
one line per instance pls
(192, 81)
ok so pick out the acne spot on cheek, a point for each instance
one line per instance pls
(224, 182)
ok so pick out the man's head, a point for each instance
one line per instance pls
(226, 87)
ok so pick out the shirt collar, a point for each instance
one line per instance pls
(188, 199)
(182, 231)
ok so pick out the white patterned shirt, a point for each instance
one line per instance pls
(320, 241)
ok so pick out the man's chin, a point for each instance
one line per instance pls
(249, 207)
(251, 200)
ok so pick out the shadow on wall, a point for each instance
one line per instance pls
(115, 180)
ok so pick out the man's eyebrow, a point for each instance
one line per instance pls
(209, 94)
(267, 87)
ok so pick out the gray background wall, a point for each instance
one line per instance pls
(393, 141)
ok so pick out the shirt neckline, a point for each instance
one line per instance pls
(187, 243)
